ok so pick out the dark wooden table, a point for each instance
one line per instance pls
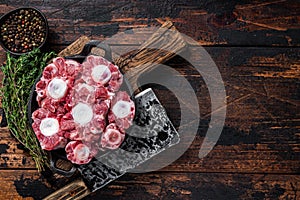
(256, 46)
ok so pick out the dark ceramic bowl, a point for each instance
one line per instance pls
(22, 30)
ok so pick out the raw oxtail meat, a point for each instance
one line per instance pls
(100, 72)
(81, 108)
(56, 81)
(122, 110)
(112, 137)
(47, 129)
(80, 153)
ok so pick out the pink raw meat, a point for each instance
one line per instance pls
(80, 153)
(67, 123)
(82, 92)
(100, 72)
(89, 127)
(122, 111)
(57, 79)
(112, 137)
(50, 72)
(101, 93)
(47, 129)
(77, 101)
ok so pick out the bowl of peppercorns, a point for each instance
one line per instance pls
(23, 30)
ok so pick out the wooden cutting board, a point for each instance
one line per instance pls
(144, 59)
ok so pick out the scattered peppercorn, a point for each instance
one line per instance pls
(23, 30)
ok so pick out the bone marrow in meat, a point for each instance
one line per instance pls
(81, 108)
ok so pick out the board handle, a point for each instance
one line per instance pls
(87, 51)
(73, 191)
(162, 46)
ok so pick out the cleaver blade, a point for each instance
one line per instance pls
(151, 134)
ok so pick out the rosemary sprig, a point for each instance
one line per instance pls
(19, 76)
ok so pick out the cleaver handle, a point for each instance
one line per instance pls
(73, 191)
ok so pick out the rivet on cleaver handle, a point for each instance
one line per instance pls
(142, 142)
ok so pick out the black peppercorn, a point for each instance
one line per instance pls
(23, 30)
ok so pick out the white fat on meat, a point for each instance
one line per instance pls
(121, 109)
(101, 74)
(89, 93)
(112, 137)
(82, 113)
(81, 152)
(84, 85)
(49, 126)
(57, 88)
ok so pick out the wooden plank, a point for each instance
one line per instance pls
(146, 58)
(261, 129)
(243, 158)
(29, 184)
(201, 186)
(262, 117)
(243, 23)
(258, 154)
(12, 153)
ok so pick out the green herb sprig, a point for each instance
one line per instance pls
(19, 76)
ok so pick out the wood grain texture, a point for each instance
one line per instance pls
(255, 45)
(151, 53)
(259, 136)
(75, 190)
(23, 184)
(210, 22)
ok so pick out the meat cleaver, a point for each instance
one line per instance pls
(142, 141)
